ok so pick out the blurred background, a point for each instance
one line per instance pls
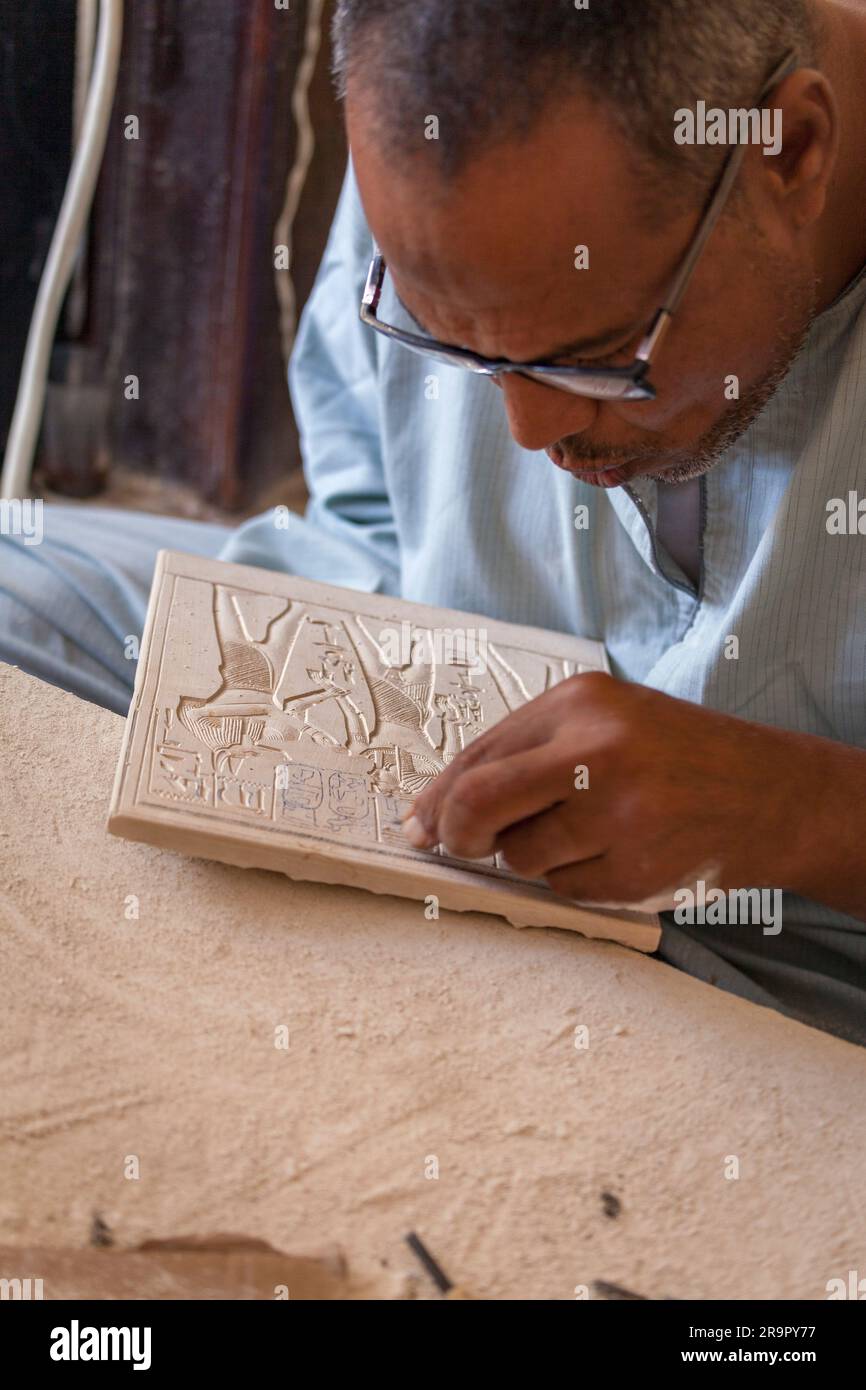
(235, 150)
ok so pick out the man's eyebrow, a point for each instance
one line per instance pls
(613, 338)
(408, 312)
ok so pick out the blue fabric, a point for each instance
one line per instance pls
(417, 488)
(69, 605)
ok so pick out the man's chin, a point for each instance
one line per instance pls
(610, 475)
(666, 468)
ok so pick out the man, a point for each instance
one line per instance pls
(527, 176)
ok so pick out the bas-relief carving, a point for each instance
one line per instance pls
(287, 725)
(328, 722)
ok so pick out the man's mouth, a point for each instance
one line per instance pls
(608, 474)
(605, 477)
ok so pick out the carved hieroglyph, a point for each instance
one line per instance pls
(283, 724)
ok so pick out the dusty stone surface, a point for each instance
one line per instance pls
(283, 724)
(409, 1040)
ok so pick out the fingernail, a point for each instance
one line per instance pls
(415, 833)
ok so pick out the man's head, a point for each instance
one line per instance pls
(493, 139)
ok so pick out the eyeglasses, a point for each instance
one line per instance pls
(611, 383)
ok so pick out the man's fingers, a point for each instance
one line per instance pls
(486, 799)
(528, 728)
(593, 882)
(510, 738)
(552, 840)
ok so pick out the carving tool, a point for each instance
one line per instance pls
(437, 1274)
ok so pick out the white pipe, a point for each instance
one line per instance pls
(85, 34)
(74, 210)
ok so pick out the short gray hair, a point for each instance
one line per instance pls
(487, 68)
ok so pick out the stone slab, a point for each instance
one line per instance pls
(283, 724)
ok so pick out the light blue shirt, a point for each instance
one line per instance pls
(418, 489)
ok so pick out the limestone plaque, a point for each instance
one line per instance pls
(283, 724)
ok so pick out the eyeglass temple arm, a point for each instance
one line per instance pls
(788, 65)
(375, 281)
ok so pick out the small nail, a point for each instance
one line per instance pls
(415, 833)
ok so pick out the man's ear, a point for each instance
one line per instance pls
(805, 113)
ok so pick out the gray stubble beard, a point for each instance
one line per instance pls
(793, 332)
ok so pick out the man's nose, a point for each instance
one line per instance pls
(539, 416)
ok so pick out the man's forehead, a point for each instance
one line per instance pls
(540, 307)
(556, 218)
(573, 173)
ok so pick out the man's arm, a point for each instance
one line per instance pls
(348, 535)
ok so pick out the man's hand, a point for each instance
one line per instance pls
(615, 793)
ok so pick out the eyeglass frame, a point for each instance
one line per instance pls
(612, 383)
